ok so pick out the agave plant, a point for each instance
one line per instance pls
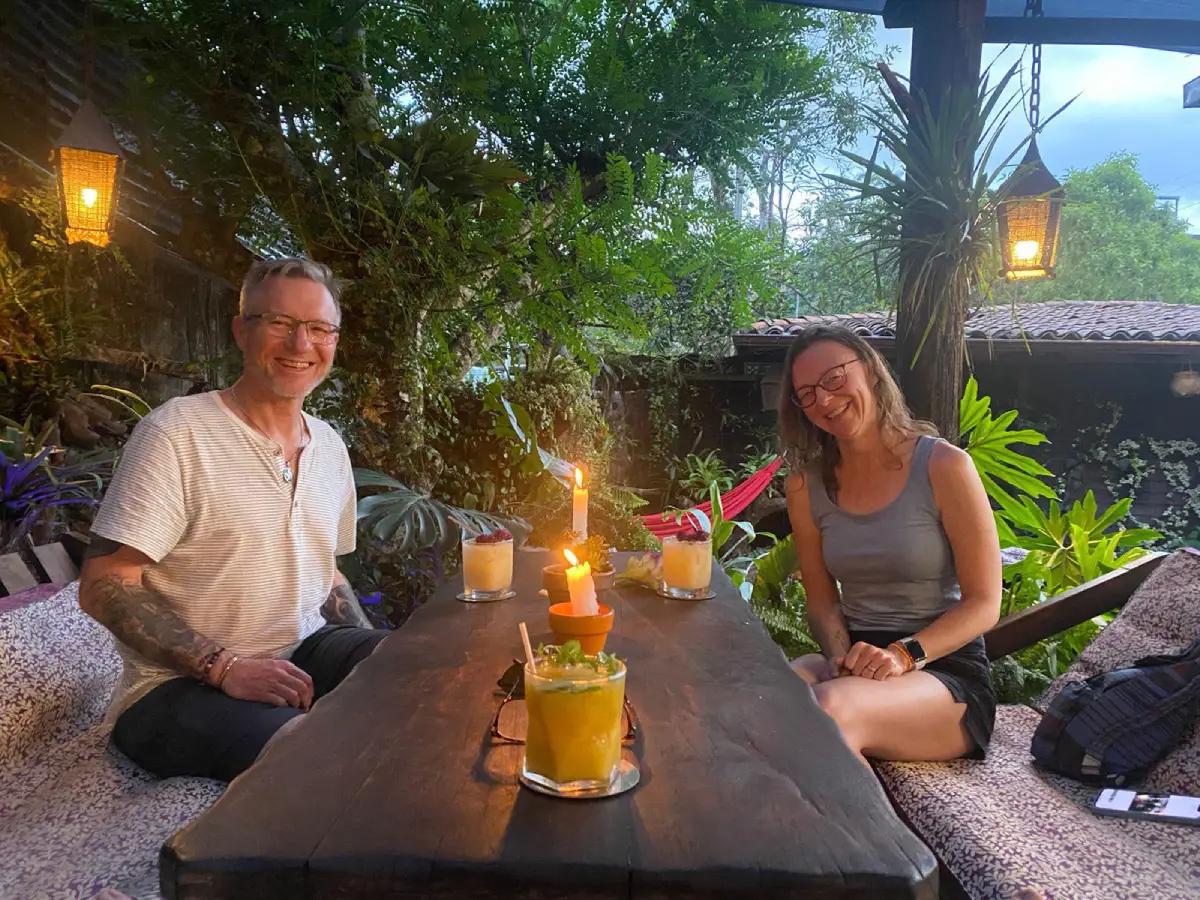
(30, 487)
(412, 520)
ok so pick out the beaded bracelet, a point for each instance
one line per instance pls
(225, 671)
(209, 662)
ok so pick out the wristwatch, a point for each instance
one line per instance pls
(914, 649)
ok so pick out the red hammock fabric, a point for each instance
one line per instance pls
(733, 501)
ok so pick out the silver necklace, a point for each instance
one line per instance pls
(284, 465)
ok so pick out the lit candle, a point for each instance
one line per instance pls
(579, 505)
(581, 587)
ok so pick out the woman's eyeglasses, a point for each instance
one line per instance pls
(831, 380)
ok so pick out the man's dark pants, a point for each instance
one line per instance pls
(183, 727)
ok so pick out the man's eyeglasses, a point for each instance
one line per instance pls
(284, 326)
(831, 380)
(510, 720)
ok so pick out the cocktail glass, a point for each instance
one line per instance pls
(686, 568)
(573, 741)
(487, 569)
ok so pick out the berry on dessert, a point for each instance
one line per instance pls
(494, 537)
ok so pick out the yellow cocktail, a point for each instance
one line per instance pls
(687, 565)
(487, 562)
(574, 738)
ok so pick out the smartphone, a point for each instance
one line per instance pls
(1156, 807)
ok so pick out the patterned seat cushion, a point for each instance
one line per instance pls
(1001, 826)
(76, 816)
(1162, 616)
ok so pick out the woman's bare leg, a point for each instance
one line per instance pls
(907, 717)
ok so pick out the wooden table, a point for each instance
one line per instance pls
(392, 787)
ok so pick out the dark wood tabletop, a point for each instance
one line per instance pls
(391, 785)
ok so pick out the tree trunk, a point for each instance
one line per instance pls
(947, 45)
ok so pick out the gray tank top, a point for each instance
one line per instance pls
(894, 566)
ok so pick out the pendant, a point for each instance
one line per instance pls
(285, 471)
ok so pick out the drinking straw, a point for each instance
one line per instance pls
(528, 647)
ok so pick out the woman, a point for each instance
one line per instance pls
(898, 554)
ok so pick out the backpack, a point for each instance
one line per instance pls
(1113, 727)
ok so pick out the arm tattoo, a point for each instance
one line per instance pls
(144, 620)
(341, 608)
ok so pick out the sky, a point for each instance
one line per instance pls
(1131, 100)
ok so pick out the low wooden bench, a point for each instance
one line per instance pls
(1002, 828)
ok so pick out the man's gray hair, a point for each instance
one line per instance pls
(290, 267)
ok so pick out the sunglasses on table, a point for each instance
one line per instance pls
(284, 326)
(510, 718)
(832, 379)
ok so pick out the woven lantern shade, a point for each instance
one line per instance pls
(1029, 218)
(88, 160)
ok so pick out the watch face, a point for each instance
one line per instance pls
(915, 650)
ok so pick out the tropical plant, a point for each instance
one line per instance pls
(700, 470)
(1071, 547)
(1002, 469)
(129, 403)
(593, 550)
(409, 520)
(33, 486)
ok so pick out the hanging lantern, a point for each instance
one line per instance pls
(1029, 216)
(89, 161)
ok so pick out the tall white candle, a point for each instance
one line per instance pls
(581, 587)
(579, 506)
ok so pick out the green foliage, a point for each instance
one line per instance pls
(936, 213)
(700, 471)
(1133, 464)
(777, 597)
(1002, 469)
(786, 620)
(1117, 242)
(129, 403)
(1071, 547)
(1064, 548)
(595, 550)
(570, 653)
(411, 520)
(484, 175)
(399, 582)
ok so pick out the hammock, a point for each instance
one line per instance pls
(733, 501)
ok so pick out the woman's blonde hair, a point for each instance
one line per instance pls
(805, 446)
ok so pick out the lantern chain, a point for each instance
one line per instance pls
(1034, 8)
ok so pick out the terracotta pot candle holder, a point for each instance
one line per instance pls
(590, 631)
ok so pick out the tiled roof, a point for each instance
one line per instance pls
(1064, 320)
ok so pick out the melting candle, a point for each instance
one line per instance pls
(581, 587)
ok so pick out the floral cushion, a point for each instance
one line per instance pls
(76, 815)
(1003, 827)
(1162, 616)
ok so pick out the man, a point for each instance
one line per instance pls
(213, 555)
